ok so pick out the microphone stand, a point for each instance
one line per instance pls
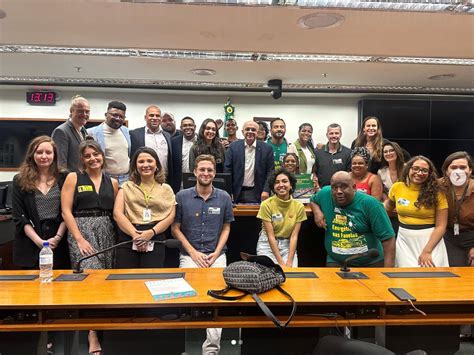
(79, 270)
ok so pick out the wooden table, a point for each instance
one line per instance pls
(97, 303)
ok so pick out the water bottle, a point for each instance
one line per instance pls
(46, 263)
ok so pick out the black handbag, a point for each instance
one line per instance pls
(255, 274)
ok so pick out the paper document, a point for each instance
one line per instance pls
(170, 288)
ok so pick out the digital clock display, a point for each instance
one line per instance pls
(41, 97)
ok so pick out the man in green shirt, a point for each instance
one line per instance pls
(278, 141)
(355, 222)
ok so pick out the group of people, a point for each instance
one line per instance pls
(85, 190)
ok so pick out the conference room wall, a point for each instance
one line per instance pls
(319, 111)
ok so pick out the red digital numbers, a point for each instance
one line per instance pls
(41, 97)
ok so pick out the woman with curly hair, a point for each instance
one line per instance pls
(423, 214)
(281, 217)
(365, 181)
(208, 142)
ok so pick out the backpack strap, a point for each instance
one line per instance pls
(219, 294)
(270, 314)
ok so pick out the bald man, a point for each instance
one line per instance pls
(355, 222)
(153, 136)
(250, 162)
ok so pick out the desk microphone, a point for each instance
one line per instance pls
(169, 243)
(371, 253)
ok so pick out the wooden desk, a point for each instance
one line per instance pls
(252, 210)
(96, 303)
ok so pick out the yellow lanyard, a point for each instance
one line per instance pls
(147, 196)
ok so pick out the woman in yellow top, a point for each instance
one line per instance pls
(144, 209)
(281, 217)
(423, 214)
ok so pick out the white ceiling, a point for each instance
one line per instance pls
(115, 24)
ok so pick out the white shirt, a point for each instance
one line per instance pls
(309, 160)
(249, 172)
(185, 154)
(158, 143)
(117, 161)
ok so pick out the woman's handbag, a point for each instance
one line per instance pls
(255, 274)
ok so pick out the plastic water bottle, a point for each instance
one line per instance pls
(46, 263)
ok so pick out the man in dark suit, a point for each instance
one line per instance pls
(154, 137)
(71, 133)
(250, 162)
(181, 145)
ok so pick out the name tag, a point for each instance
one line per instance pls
(214, 210)
(85, 188)
(146, 215)
(403, 202)
(277, 217)
(337, 161)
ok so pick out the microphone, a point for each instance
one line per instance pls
(371, 253)
(168, 243)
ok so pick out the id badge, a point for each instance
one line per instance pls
(146, 215)
(456, 228)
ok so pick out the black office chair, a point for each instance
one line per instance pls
(332, 344)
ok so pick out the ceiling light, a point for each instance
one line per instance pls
(203, 72)
(185, 54)
(320, 20)
(228, 86)
(459, 6)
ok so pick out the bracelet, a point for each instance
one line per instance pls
(153, 229)
(60, 236)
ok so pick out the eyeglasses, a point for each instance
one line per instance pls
(418, 170)
(250, 130)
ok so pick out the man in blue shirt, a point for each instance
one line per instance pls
(202, 224)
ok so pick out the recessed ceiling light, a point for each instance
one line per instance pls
(203, 72)
(441, 77)
(320, 20)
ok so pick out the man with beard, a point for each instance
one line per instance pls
(332, 157)
(354, 222)
(202, 224)
(169, 125)
(114, 139)
(278, 141)
(181, 145)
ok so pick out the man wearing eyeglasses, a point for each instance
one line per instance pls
(114, 139)
(250, 162)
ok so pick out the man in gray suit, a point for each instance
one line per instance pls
(71, 133)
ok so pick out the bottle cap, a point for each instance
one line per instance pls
(46, 244)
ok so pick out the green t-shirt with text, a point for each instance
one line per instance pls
(355, 228)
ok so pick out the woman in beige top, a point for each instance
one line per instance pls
(144, 209)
